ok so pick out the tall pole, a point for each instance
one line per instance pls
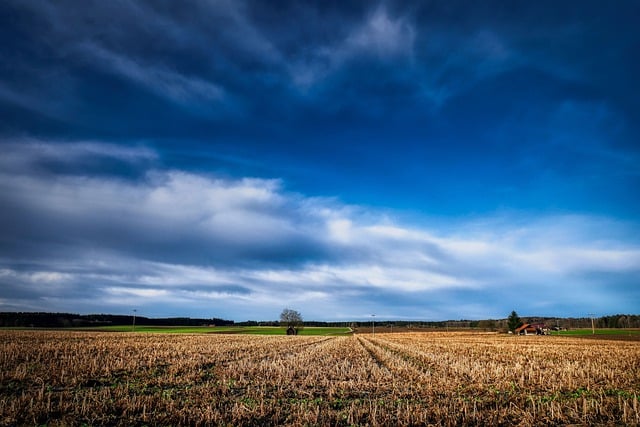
(134, 320)
(593, 328)
(373, 324)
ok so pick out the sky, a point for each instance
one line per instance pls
(416, 160)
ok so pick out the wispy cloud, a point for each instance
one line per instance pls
(248, 246)
(228, 45)
(162, 81)
(379, 37)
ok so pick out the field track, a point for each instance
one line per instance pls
(75, 378)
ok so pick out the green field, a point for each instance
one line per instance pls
(246, 330)
(589, 331)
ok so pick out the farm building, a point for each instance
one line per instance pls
(532, 329)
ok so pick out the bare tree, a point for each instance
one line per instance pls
(292, 320)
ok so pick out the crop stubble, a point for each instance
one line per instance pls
(73, 378)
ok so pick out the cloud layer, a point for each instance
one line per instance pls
(231, 157)
(173, 241)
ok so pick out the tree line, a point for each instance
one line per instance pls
(61, 320)
(65, 320)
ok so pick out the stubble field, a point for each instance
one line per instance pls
(75, 378)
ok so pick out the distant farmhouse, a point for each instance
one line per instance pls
(532, 329)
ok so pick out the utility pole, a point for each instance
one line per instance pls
(134, 319)
(373, 324)
(593, 328)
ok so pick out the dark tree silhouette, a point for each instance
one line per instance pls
(513, 322)
(292, 320)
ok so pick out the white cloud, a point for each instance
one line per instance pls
(569, 260)
(142, 293)
(176, 238)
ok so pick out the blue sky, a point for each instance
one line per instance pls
(416, 160)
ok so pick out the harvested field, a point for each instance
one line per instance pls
(74, 378)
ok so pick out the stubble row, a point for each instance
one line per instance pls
(74, 378)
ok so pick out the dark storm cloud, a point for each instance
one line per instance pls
(163, 156)
(225, 43)
(200, 71)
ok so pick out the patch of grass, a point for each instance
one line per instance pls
(581, 332)
(154, 329)
(245, 330)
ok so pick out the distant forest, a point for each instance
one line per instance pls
(68, 320)
(614, 321)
